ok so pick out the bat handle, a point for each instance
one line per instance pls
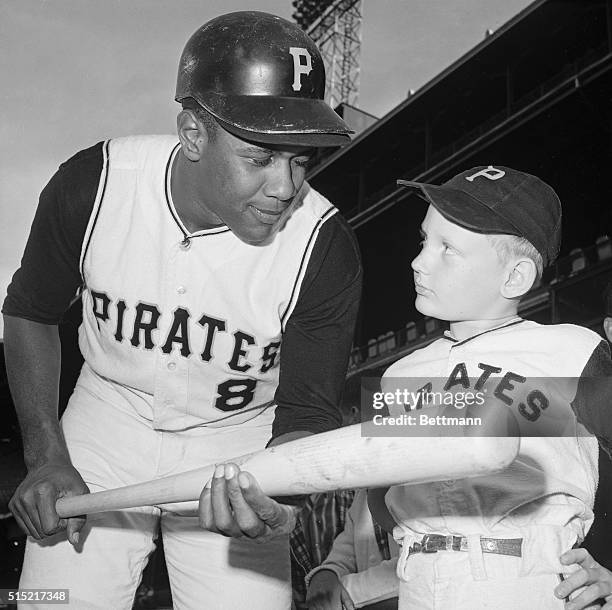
(72, 506)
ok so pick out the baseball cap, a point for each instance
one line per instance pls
(499, 200)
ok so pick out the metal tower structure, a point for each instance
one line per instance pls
(335, 25)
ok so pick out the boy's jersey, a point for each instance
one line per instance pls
(552, 483)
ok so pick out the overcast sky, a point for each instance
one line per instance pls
(74, 72)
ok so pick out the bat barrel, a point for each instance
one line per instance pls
(340, 459)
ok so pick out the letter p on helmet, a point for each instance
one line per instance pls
(300, 68)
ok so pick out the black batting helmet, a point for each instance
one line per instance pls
(262, 78)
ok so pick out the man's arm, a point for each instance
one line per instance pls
(313, 364)
(40, 292)
(33, 367)
(319, 333)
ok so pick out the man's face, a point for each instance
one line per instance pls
(248, 186)
(457, 274)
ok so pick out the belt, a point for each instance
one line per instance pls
(432, 543)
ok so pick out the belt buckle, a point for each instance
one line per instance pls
(425, 548)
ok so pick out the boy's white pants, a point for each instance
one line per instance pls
(473, 580)
(111, 446)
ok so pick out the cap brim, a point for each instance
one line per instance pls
(287, 120)
(462, 209)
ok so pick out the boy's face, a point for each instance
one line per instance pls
(457, 274)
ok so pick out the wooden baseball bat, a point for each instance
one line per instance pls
(340, 459)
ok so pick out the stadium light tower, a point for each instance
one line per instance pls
(335, 25)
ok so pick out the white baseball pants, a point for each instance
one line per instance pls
(112, 446)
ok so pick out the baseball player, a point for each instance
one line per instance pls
(219, 297)
(494, 541)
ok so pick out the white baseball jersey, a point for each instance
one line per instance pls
(188, 327)
(548, 492)
(185, 327)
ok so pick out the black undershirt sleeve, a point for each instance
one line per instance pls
(48, 278)
(318, 335)
(593, 402)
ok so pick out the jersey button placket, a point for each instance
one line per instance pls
(171, 369)
(177, 375)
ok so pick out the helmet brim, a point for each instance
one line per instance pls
(288, 120)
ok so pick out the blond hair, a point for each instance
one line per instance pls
(509, 247)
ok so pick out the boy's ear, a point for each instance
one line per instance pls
(192, 134)
(519, 279)
(607, 324)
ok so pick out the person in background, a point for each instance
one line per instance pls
(591, 582)
(321, 518)
(360, 570)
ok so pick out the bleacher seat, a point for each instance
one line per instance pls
(372, 348)
(431, 325)
(390, 341)
(382, 343)
(411, 332)
(604, 247)
(578, 261)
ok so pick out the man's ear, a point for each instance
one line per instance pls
(192, 134)
(520, 277)
(607, 324)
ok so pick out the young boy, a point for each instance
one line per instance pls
(494, 541)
